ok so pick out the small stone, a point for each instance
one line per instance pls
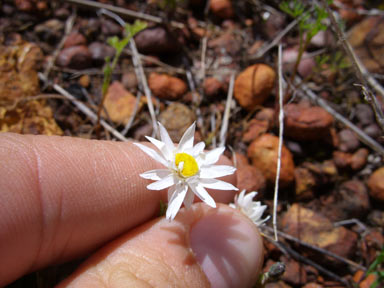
(74, 39)
(253, 85)
(364, 281)
(376, 184)
(110, 28)
(212, 87)
(119, 103)
(372, 130)
(294, 272)
(306, 123)
(76, 57)
(364, 114)
(156, 40)
(306, 65)
(376, 218)
(305, 183)
(129, 81)
(263, 153)
(342, 159)
(348, 141)
(222, 8)
(352, 200)
(50, 30)
(250, 178)
(99, 51)
(255, 129)
(279, 284)
(62, 13)
(85, 80)
(312, 285)
(317, 230)
(176, 118)
(359, 159)
(166, 87)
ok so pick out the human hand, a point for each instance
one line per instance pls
(62, 197)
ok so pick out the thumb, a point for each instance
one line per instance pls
(202, 247)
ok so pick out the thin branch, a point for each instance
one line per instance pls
(123, 12)
(132, 117)
(318, 249)
(281, 129)
(265, 48)
(227, 112)
(83, 108)
(320, 268)
(68, 28)
(321, 102)
(359, 68)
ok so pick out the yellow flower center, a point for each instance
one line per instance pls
(190, 166)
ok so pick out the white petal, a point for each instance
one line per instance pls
(188, 200)
(164, 136)
(198, 148)
(186, 141)
(203, 195)
(156, 174)
(176, 201)
(162, 184)
(159, 145)
(216, 171)
(171, 191)
(217, 184)
(211, 157)
(152, 153)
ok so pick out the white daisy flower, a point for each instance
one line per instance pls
(188, 170)
(253, 209)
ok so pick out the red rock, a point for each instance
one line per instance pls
(279, 284)
(249, 178)
(212, 87)
(255, 129)
(253, 85)
(156, 40)
(166, 87)
(119, 103)
(263, 152)
(74, 39)
(222, 8)
(176, 118)
(241, 159)
(306, 123)
(317, 230)
(76, 57)
(376, 184)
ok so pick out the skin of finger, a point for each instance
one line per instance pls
(62, 197)
(159, 254)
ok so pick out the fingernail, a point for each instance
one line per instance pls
(228, 247)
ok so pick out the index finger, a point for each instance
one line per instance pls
(62, 197)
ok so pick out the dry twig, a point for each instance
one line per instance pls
(359, 68)
(227, 112)
(321, 102)
(281, 129)
(83, 108)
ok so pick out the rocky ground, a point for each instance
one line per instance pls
(195, 56)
